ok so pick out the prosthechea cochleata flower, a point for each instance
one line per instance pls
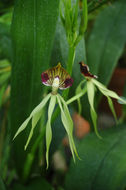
(89, 85)
(58, 78)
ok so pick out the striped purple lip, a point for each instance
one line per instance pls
(65, 81)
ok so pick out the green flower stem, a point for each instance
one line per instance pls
(71, 57)
(70, 62)
(85, 15)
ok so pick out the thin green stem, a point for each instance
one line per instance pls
(70, 62)
(71, 57)
(85, 15)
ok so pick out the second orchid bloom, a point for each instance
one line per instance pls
(90, 84)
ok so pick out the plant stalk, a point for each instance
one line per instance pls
(70, 62)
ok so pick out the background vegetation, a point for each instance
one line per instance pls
(33, 39)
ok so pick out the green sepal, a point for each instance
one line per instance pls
(68, 124)
(35, 120)
(107, 92)
(78, 91)
(112, 108)
(35, 111)
(48, 127)
(91, 93)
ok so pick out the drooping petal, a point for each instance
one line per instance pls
(48, 127)
(68, 124)
(91, 93)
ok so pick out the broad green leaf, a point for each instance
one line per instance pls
(2, 90)
(106, 41)
(5, 42)
(33, 31)
(91, 93)
(4, 77)
(4, 63)
(35, 183)
(2, 186)
(48, 126)
(103, 164)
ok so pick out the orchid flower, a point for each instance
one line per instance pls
(58, 78)
(89, 85)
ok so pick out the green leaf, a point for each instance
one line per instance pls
(48, 126)
(4, 77)
(33, 31)
(2, 90)
(5, 42)
(4, 63)
(91, 93)
(2, 187)
(103, 164)
(35, 183)
(107, 40)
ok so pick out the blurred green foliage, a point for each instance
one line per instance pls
(103, 164)
(30, 43)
